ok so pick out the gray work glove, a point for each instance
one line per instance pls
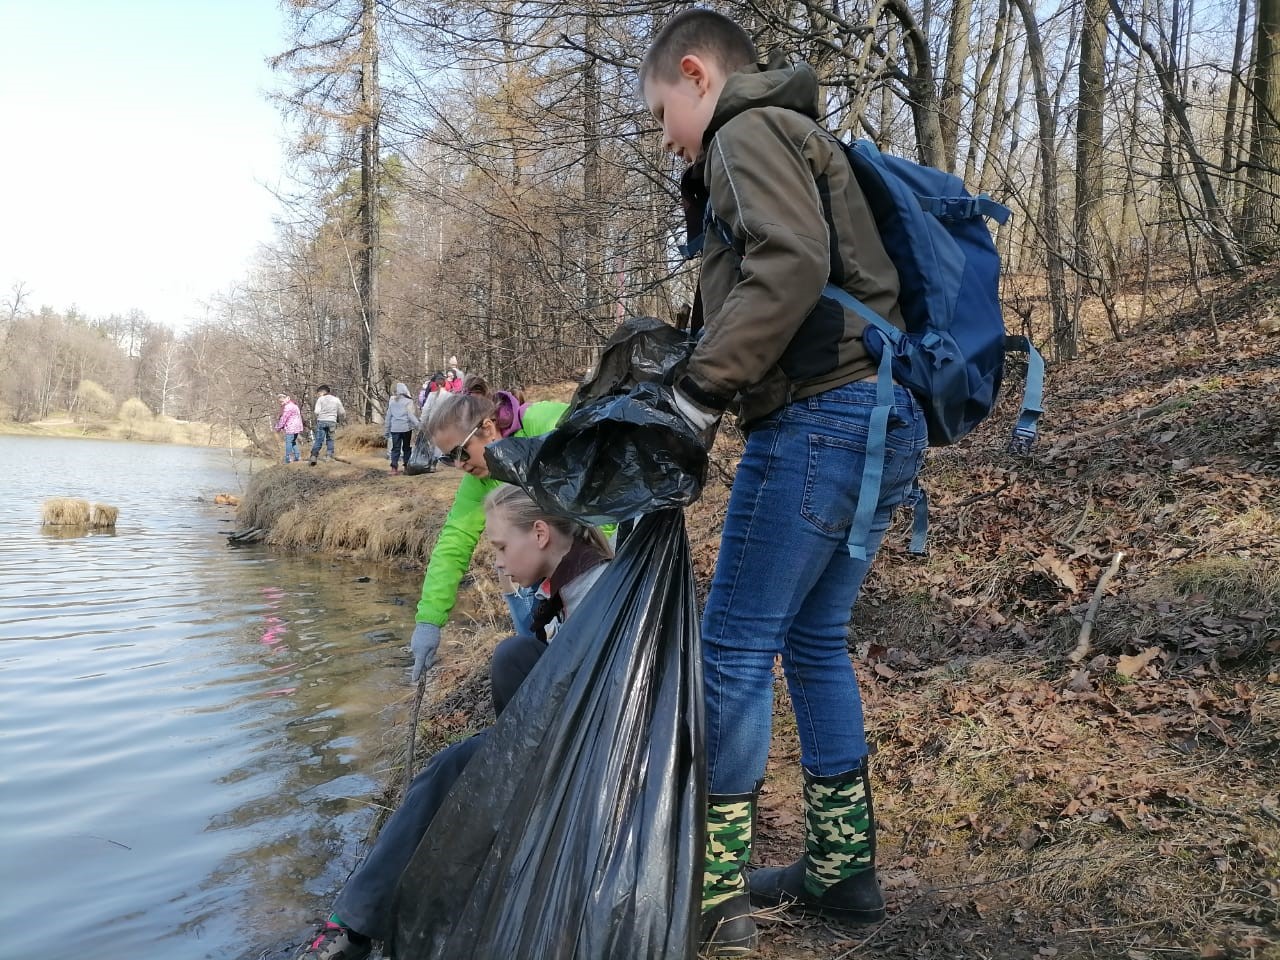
(426, 639)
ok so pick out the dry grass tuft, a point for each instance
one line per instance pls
(103, 517)
(362, 436)
(560, 391)
(349, 510)
(65, 512)
(1239, 583)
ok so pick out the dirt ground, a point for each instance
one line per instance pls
(1123, 804)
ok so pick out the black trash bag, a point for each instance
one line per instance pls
(577, 830)
(621, 449)
(608, 460)
(641, 350)
(423, 456)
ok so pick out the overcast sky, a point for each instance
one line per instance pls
(139, 151)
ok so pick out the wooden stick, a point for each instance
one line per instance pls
(413, 729)
(1086, 628)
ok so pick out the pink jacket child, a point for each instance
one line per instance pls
(290, 423)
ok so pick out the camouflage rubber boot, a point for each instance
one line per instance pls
(836, 877)
(727, 927)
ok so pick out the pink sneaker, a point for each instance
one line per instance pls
(336, 943)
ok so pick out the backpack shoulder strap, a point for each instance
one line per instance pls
(1028, 425)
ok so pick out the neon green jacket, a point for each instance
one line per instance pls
(451, 555)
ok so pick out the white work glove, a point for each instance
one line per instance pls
(425, 641)
(701, 420)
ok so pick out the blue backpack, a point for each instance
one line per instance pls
(951, 356)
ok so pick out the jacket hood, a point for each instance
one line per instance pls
(775, 84)
(400, 390)
(510, 416)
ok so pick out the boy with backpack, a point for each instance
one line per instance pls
(790, 219)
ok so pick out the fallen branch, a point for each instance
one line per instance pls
(1086, 629)
(987, 493)
(1115, 423)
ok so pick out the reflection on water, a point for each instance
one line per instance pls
(72, 531)
(189, 732)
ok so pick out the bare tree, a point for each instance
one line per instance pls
(337, 100)
(1064, 333)
(1213, 222)
(949, 103)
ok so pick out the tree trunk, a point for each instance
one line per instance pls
(1262, 210)
(950, 106)
(1233, 99)
(920, 86)
(592, 195)
(1064, 334)
(884, 125)
(982, 96)
(1089, 160)
(370, 241)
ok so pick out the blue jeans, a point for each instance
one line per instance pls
(291, 448)
(400, 447)
(785, 583)
(324, 437)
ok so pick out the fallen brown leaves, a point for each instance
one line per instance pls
(1125, 806)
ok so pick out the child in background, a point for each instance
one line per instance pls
(290, 424)
(433, 392)
(793, 363)
(328, 409)
(401, 420)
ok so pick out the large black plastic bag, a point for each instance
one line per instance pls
(621, 449)
(641, 350)
(577, 829)
(423, 456)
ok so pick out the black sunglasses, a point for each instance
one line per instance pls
(460, 453)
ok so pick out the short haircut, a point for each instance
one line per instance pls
(701, 32)
(323, 388)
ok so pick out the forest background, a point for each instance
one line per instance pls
(481, 179)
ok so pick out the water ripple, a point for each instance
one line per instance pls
(186, 731)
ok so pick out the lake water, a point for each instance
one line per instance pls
(190, 733)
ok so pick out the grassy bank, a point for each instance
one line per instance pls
(155, 430)
(1125, 805)
(352, 507)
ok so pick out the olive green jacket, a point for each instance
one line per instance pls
(785, 190)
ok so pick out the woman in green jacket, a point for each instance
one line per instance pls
(462, 425)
